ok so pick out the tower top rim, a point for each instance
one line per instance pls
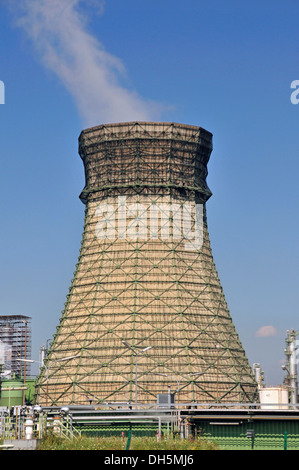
(145, 154)
(147, 129)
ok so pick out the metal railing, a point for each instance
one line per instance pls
(33, 422)
(27, 423)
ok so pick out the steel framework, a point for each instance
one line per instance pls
(15, 344)
(145, 278)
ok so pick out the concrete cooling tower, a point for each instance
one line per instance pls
(145, 310)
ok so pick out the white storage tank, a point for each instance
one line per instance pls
(274, 398)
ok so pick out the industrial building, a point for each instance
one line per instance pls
(15, 345)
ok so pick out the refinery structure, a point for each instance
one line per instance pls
(145, 312)
(145, 344)
(15, 345)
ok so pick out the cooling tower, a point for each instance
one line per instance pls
(145, 310)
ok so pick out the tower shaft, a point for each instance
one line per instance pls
(146, 308)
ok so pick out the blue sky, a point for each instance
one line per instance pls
(225, 66)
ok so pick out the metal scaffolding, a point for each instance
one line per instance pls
(15, 344)
(145, 311)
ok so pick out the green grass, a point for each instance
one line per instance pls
(51, 442)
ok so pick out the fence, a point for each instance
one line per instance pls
(237, 426)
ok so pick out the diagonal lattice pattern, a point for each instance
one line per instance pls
(141, 279)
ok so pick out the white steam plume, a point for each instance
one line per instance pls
(58, 31)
